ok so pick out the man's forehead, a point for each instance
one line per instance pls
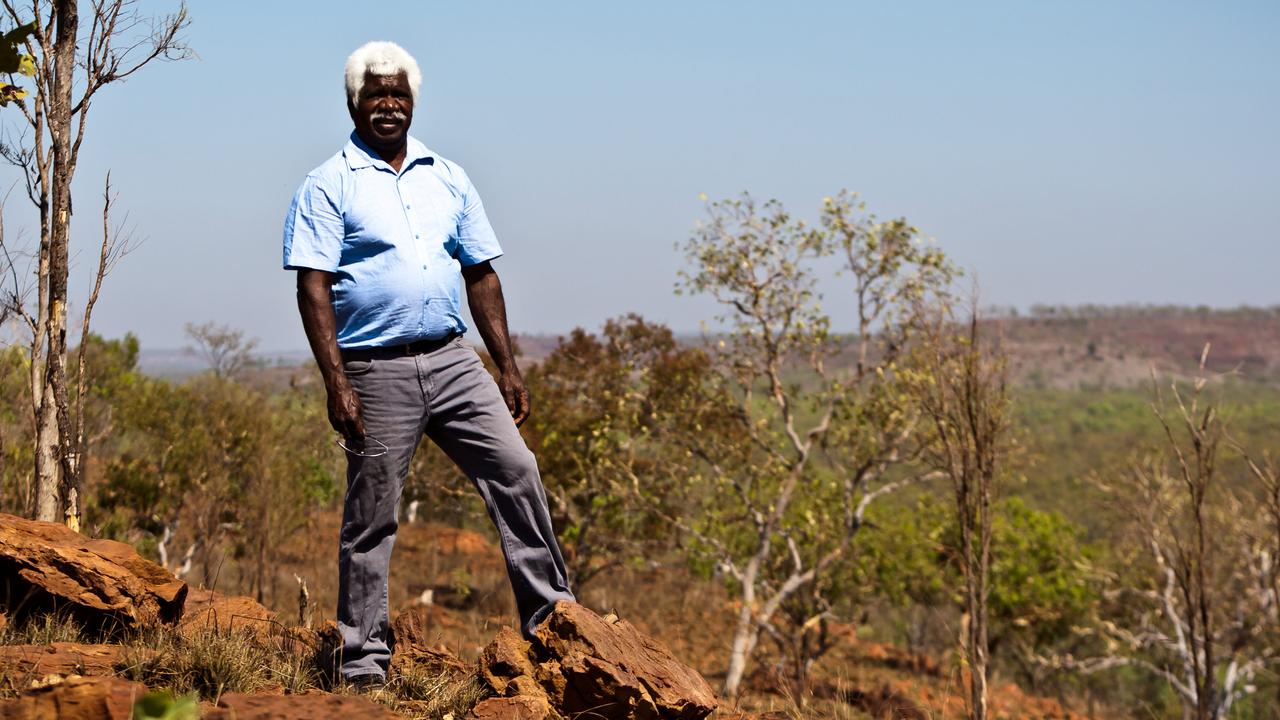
(372, 78)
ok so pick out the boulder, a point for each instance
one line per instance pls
(307, 706)
(77, 698)
(60, 658)
(210, 610)
(505, 659)
(104, 584)
(419, 626)
(519, 707)
(411, 646)
(437, 661)
(583, 664)
(608, 662)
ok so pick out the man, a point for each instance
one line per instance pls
(379, 236)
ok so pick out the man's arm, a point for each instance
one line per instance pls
(489, 310)
(322, 333)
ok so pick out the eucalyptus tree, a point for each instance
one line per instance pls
(818, 425)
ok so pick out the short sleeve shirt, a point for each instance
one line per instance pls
(395, 241)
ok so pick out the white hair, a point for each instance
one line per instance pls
(381, 58)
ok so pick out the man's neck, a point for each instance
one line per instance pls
(391, 156)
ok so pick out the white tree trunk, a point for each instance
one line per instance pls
(48, 498)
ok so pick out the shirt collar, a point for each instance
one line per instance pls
(359, 155)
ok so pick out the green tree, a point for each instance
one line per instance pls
(601, 401)
(811, 443)
(214, 464)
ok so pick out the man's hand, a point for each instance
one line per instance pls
(516, 396)
(345, 412)
(484, 295)
(346, 415)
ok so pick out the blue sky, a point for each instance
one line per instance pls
(1063, 152)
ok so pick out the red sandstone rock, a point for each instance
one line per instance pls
(78, 698)
(209, 610)
(104, 583)
(612, 664)
(60, 658)
(420, 625)
(520, 707)
(582, 664)
(504, 659)
(308, 706)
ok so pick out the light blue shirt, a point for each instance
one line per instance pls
(396, 242)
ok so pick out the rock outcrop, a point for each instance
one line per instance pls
(60, 658)
(420, 625)
(79, 698)
(307, 706)
(209, 610)
(104, 584)
(581, 663)
(520, 707)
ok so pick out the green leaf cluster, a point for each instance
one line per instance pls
(15, 62)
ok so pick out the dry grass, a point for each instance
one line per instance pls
(209, 662)
(212, 661)
(429, 694)
(44, 629)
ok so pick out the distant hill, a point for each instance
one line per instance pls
(1118, 346)
(1061, 347)
(1095, 346)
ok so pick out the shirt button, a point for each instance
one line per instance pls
(406, 207)
(424, 267)
(417, 237)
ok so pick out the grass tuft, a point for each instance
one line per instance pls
(209, 662)
(212, 661)
(430, 694)
(44, 629)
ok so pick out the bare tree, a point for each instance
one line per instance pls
(1201, 612)
(68, 70)
(963, 391)
(223, 348)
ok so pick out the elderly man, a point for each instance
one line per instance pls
(380, 235)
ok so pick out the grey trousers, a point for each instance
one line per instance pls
(448, 395)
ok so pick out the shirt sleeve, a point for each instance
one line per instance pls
(313, 229)
(476, 239)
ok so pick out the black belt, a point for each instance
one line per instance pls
(417, 347)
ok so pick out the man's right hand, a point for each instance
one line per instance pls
(346, 415)
(345, 412)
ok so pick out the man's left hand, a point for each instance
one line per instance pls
(516, 396)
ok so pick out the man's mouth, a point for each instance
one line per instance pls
(387, 123)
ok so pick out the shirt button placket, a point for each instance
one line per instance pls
(417, 248)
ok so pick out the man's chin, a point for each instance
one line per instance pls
(395, 138)
(385, 142)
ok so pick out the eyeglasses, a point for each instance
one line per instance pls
(359, 447)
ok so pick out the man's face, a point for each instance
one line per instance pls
(383, 111)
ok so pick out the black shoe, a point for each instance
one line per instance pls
(367, 684)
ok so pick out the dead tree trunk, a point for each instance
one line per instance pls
(965, 397)
(62, 62)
